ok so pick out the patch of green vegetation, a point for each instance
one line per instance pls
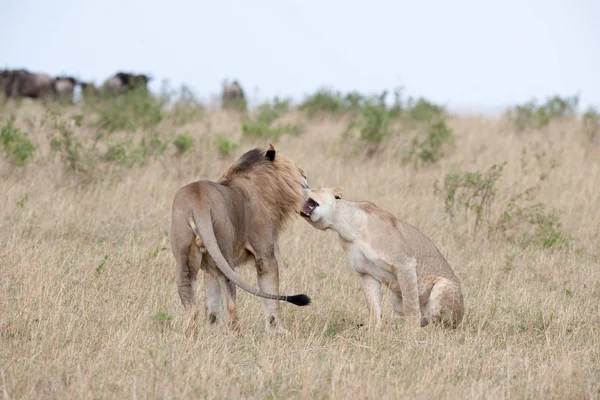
(225, 146)
(473, 192)
(591, 123)
(428, 148)
(424, 111)
(262, 125)
(520, 221)
(186, 107)
(183, 142)
(536, 116)
(129, 111)
(16, 144)
(128, 154)
(326, 100)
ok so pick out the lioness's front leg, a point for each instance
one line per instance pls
(407, 278)
(267, 271)
(372, 290)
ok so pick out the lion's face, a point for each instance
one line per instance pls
(319, 208)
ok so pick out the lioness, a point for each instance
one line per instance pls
(384, 249)
(232, 221)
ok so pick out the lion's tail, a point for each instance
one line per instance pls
(203, 228)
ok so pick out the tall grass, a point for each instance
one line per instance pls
(88, 297)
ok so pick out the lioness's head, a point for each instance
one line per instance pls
(319, 209)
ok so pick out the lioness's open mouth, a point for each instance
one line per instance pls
(308, 208)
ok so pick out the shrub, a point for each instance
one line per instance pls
(66, 144)
(225, 146)
(471, 191)
(334, 102)
(519, 221)
(533, 224)
(327, 101)
(17, 146)
(186, 107)
(127, 154)
(428, 148)
(374, 117)
(424, 111)
(591, 123)
(532, 115)
(375, 122)
(128, 111)
(262, 124)
(183, 143)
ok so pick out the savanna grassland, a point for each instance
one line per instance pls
(88, 299)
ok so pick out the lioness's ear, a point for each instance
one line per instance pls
(337, 193)
(271, 152)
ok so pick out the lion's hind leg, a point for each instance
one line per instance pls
(445, 304)
(189, 284)
(228, 291)
(212, 291)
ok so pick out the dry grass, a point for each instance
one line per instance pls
(87, 287)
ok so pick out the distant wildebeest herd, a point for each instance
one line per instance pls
(21, 83)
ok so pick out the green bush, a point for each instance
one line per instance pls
(428, 147)
(473, 192)
(129, 154)
(520, 221)
(327, 101)
(67, 145)
(534, 116)
(262, 123)
(591, 123)
(533, 225)
(183, 143)
(374, 117)
(375, 122)
(186, 107)
(225, 146)
(17, 146)
(424, 111)
(128, 111)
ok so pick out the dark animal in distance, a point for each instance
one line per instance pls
(233, 96)
(122, 82)
(64, 87)
(22, 83)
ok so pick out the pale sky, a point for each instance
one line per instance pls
(467, 54)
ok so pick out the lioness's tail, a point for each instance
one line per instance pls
(204, 229)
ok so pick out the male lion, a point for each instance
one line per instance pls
(231, 222)
(385, 249)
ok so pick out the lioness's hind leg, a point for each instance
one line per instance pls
(445, 304)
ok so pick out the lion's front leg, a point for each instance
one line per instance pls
(267, 271)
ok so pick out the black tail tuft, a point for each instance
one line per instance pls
(299, 300)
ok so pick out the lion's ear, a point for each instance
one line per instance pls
(271, 152)
(337, 193)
